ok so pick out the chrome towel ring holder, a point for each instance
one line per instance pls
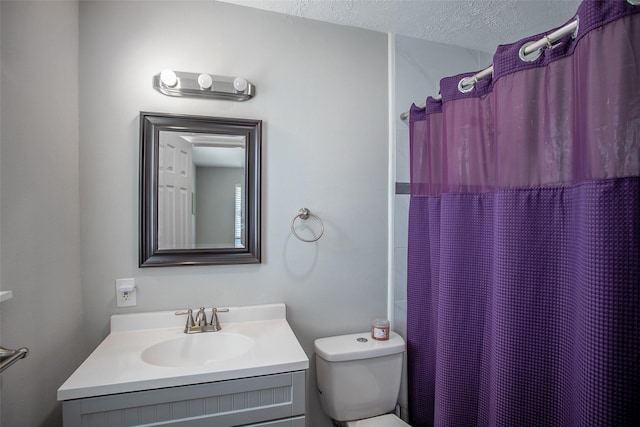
(304, 214)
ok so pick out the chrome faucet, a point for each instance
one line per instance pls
(201, 318)
(200, 323)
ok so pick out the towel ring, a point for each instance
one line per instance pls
(304, 214)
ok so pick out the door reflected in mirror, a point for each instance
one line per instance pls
(200, 190)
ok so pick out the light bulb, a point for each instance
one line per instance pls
(240, 84)
(168, 78)
(205, 81)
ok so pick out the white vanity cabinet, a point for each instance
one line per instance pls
(148, 372)
(271, 400)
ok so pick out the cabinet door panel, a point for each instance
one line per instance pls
(246, 401)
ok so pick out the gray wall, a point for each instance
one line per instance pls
(215, 198)
(40, 206)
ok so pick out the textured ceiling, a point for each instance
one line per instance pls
(475, 24)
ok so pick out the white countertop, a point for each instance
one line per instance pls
(116, 366)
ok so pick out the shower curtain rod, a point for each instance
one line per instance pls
(528, 52)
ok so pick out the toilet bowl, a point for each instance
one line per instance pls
(359, 379)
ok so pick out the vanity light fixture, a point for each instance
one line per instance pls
(205, 81)
(203, 85)
(240, 84)
(168, 78)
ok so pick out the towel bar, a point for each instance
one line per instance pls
(9, 357)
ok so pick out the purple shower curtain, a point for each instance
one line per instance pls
(523, 291)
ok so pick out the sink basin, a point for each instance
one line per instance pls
(200, 349)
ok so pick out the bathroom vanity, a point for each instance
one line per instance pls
(149, 372)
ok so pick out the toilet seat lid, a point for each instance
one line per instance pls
(388, 420)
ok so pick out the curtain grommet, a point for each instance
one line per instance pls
(466, 84)
(529, 57)
(574, 35)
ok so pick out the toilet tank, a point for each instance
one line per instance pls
(358, 377)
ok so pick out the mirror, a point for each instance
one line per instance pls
(199, 190)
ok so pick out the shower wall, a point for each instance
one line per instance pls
(419, 66)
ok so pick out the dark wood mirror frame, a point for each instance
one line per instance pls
(150, 126)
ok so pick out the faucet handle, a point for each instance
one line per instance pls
(190, 323)
(215, 323)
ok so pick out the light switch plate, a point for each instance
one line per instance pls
(125, 292)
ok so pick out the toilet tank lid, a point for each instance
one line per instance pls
(357, 346)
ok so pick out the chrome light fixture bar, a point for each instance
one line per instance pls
(179, 83)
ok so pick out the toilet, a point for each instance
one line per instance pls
(359, 379)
